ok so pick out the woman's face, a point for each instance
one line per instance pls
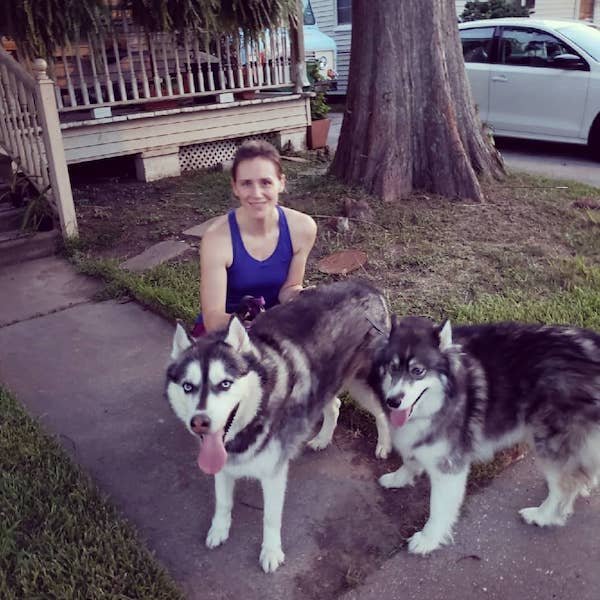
(257, 185)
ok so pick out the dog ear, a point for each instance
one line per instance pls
(181, 341)
(445, 334)
(237, 336)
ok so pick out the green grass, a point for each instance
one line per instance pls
(171, 289)
(578, 304)
(59, 538)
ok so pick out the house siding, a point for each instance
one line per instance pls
(326, 15)
(556, 9)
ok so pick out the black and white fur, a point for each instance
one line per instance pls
(473, 390)
(277, 380)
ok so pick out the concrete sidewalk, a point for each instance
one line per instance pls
(92, 373)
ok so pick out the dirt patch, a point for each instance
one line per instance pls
(359, 537)
(356, 540)
(120, 217)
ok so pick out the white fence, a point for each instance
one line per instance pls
(30, 134)
(129, 66)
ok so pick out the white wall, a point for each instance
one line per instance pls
(326, 16)
(556, 9)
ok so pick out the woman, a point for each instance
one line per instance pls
(258, 249)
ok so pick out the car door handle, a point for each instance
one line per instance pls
(500, 78)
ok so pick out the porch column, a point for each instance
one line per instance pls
(55, 152)
(152, 165)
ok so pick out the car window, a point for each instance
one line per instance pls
(530, 48)
(586, 37)
(477, 44)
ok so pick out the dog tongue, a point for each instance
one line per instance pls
(399, 417)
(213, 455)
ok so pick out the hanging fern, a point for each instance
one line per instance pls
(169, 15)
(254, 15)
(214, 15)
(40, 26)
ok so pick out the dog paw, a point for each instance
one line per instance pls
(421, 543)
(318, 443)
(534, 515)
(383, 449)
(395, 480)
(217, 534)
(271, 558)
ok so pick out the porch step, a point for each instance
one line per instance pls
(10, 217)
(18, 246)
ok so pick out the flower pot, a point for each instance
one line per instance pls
(317, 134)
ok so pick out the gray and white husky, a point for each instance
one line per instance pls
(255, 397)
(457, 396)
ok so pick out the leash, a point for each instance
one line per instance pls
(375, 326)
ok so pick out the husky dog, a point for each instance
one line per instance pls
(254, 396)
(455, 401)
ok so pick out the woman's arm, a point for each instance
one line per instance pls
(215, 256)
(303, 231)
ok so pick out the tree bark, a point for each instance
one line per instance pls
(410, 121)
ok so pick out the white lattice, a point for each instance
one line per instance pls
(209, 154)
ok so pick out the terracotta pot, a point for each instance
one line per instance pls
(317, 134)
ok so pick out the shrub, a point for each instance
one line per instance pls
(493, 9)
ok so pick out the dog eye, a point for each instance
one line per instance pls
(225, 384)
(418, 372)
(187, 387)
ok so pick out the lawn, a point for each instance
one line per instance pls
(530, 252)
(59, 537)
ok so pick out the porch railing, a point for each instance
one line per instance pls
(128, 66)
(30, 134)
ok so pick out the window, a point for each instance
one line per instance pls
(477, 44)
(344, 12)
(530, 48)
(309, 15)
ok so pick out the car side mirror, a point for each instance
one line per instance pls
(569, 61)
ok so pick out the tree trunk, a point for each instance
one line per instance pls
(410, 121)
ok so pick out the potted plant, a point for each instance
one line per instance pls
(319, 109)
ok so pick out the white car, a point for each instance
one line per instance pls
(536, 79)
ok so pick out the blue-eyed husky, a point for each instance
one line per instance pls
(457, 396)
(256, 396)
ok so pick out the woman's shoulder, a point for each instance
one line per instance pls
(216, 228)
(302, 227)
(298, 221)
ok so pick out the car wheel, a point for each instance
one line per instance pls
(594, 139)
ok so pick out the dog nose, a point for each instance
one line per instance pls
(395, 401)
(200, 424)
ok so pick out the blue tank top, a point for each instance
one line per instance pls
(248, 276)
